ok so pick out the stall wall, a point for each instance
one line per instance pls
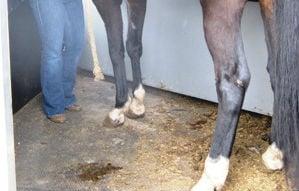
(7, 159)
(176, 57)
(25, 53)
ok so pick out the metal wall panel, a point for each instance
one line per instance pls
(176, 57)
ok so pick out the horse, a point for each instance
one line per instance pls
(222, 20)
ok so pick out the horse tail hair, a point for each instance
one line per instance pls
(285, 125)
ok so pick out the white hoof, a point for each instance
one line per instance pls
(214, 175)
(204, 184)
(273, 158)
(117, 115)
(137, 108)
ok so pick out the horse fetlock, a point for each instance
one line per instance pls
(139, 93)
(273, 158)
(214, 175)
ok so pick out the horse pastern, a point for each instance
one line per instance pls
(214, 174)
(273, 158)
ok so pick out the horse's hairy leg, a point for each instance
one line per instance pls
(136, 15)
(273, 157)
(222, 31)
(111, 15)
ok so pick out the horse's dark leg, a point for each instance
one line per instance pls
(136, 14)
(273, 157)
(267, 10)
(222, 20)
(111, 15)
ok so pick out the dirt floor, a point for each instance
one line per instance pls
(164, 151)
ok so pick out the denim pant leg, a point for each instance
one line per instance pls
(74, 41)
(50, 18)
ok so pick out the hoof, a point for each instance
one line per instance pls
(130, 114)
(204, 184)
(111, 124)
(214, 175)
(115, 118)
(136, 109)
(273, 158)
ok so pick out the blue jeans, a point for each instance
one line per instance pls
(61, 29)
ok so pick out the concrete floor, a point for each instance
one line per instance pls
(164, 151)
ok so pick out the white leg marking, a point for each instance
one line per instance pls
(273, 158)
(139, 93)
(117, 115)
(137, 107)
(214, 174)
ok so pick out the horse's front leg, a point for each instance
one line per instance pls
(136, 14)
(111, 15)
(273, 157)
(222, 31)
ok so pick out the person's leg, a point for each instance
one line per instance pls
(74, 38)
(49, 16)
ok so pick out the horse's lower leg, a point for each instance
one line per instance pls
(111, 15)
(273, 157)
(222, 30)
(136, 14)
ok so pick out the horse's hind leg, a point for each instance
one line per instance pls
(273, 157)
(136, 14)
(111, 15)
(223, 35)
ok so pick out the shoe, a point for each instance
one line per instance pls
(74, 107)
(59, 118)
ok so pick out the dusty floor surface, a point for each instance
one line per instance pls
(164, 151)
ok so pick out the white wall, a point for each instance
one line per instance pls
(176, 57)
(7, 160)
